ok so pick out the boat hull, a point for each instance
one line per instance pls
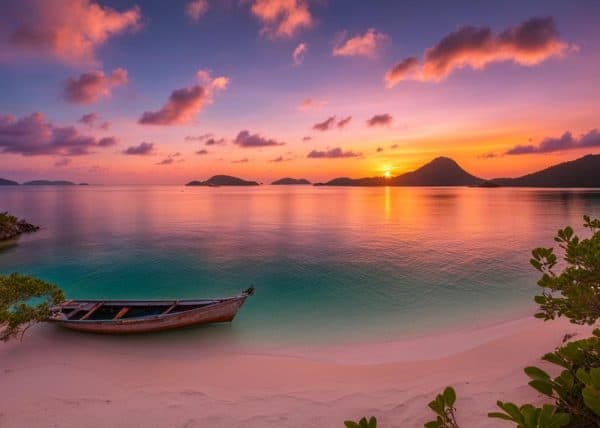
(223, 311)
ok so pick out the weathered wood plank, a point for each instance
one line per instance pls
(91, 311)
(171, 308)
(121, 313)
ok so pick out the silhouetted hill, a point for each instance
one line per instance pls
(48, 183)
(84, 184)
(439, 172)
(582, 172)
(5, 182)
(223, 180)
(290, 181)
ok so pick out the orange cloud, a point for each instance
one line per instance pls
(68, 30)
(362, 45)
(185, 103)
(282, 18)
(528, 44)
(90, 86)
(196, 8)
(182, 106)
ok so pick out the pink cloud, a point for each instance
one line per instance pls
(367, 44)
(311, 104)
(62, 162)
(282, 18)
(68, 30)
(299, 53)
(32, 135)
(528, 44)
(196, 8)
(380, 120)
(402, 70)
(90, 86)
(183, 104)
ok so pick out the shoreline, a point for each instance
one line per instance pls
(61, 378)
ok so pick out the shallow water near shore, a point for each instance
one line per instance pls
(330, 265)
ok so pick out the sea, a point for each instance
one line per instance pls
(330, 265)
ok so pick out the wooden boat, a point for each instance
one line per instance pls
(142, 316)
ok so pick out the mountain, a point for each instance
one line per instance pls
(5, 182)
(582, 172)
(290, 181)
(223, 180)
(439, 172)
(48, 183)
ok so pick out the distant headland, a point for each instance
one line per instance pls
(290, 181)
(48, 183)
(223, 180)
(5, 182)
(442, 171)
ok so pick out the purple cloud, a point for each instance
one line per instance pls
(332, 153)
(555, 144)
(141, 149)
(32, 135)
(325, 125)
(528, 44)
(90, 86)
(245, 139)
(343, 122)
(380, 120)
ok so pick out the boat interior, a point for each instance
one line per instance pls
(101, 311)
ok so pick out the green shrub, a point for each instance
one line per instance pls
(363, 423)
(443, 407)
(17, 313)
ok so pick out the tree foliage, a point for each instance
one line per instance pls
(574, 292)
(362, 423)
(443, 407)
(17, 308)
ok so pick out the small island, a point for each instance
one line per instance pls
(222, 180)
(49, 183)
(11, 226)
(5, 182)
(290, 181)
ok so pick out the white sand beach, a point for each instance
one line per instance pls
(56, 378)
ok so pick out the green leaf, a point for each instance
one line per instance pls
(432, 424)
(536, 373)
(449, 396)
(351, 424)
(372, 422)
(542, 386)
(500, 416)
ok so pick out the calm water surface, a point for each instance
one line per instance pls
(329, 264)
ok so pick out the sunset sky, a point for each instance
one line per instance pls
(134, 91)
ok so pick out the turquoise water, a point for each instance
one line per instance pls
(329, 264)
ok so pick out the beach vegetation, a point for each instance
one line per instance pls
(24, 301)
(575, 291)
(362, 423)
(443, 407)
